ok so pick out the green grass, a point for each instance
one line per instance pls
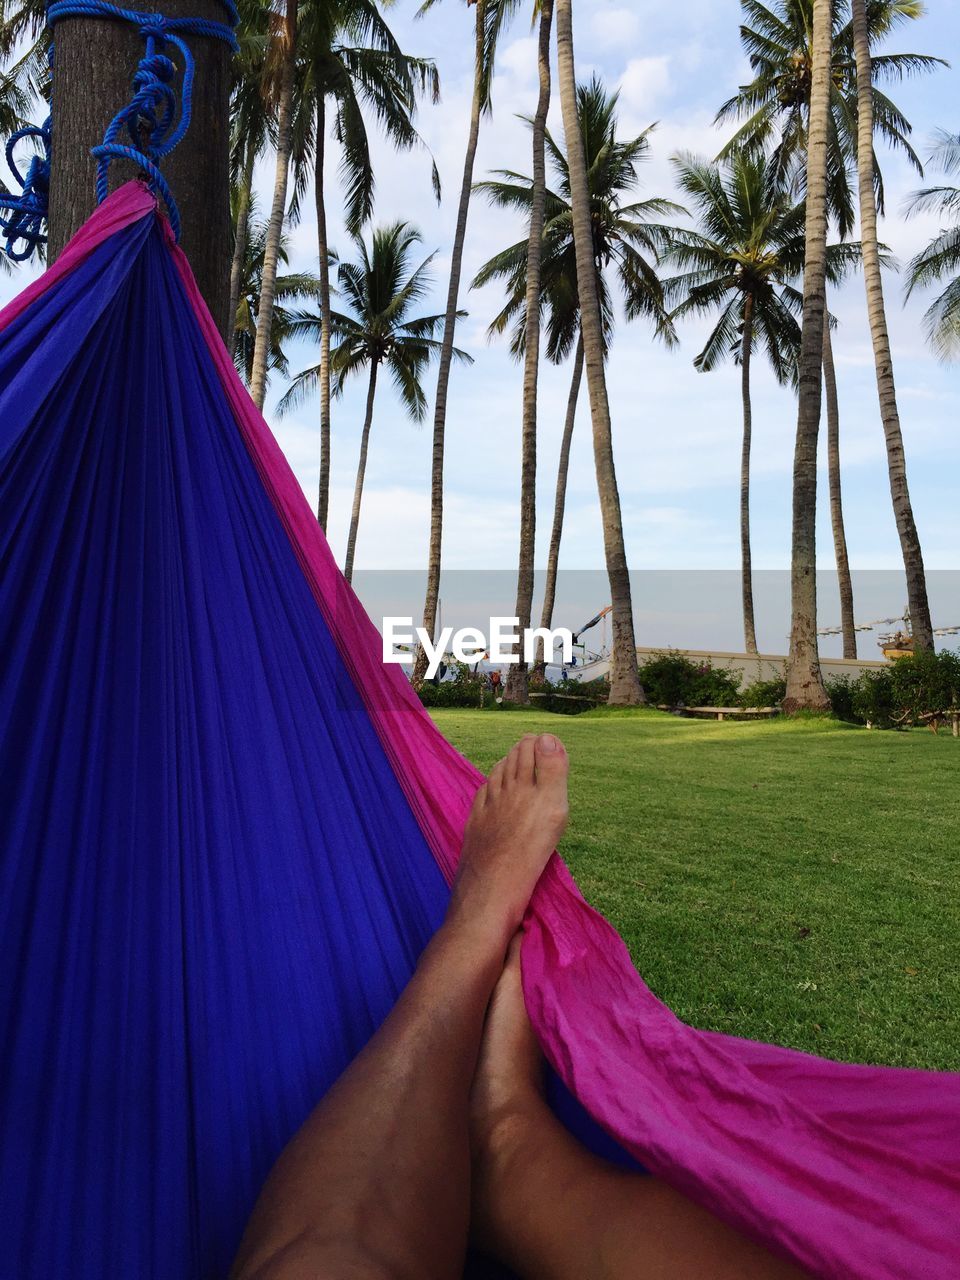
(797, 882)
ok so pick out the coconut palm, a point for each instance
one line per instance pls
(627, 243)
(24, 49)
(382, 290)
(250, 128)
(350, 67)
(921, 624)
(282, 57)
(805, 688)
(739, 264)
(516, 689)
(940, 260)
(490, 18)
(744, 263)
(290, 287)
(625, 687)
(776, 104)
(774, 107)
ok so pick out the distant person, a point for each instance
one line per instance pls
(496, 684)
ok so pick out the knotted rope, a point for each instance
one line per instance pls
(28, 210)
(151, 119)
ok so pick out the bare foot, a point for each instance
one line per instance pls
(507, 1105)
(517, 818)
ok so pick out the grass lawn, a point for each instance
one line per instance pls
(797, 882)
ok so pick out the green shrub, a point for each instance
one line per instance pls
(873, 698)
(901, 694)
(454, 693)
(841, 691)
(926, 682)
(670, 679)
(764, 693)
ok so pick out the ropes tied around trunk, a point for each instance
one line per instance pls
(150, 119)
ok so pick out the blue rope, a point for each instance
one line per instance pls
(150, 118)
(28, 210)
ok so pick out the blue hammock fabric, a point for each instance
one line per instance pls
(212, 887)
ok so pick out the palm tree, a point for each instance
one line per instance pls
(805, 688)
(196, 171)
(776, 104)
(490, 17)
(289, 287)
(625, 687)
(941, 258)
(740, 264)
(745, 263)
(284, 54)
(381, 290)
(921, 625)
(250, 126)
(774, 107)
(626, 238)
(350, 64)
(848, 626)
(516, 689)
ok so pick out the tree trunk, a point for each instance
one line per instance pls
(323, 498)
(361, 472)
(516, 687)
(886, 388)
(559, 504)
(746, 560)
(271, 253)
(804, 682)
(625, 688)
(240, 235)
(95, 63)
(446, 350)
(844, 580)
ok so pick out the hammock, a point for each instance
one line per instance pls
(227, 831)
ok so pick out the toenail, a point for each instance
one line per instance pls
(547, 742)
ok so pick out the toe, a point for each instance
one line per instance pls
(496, 776)
(552, 762)
(551, 756)
(525, 758)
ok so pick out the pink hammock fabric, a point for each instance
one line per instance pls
(850, 1171)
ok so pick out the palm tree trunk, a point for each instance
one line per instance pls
(96, 61)
(323, 248)
(886, 388)
(271, 255)
(625, 687)
(844, 580)
(361, 472)
(516, 689)
(559, 504)
(746, 561)
(446, 348)
(804, 682)
(240, 236)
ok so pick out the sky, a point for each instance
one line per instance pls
(676, 431)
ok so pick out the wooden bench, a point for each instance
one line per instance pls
(720, 713)
(566, 697)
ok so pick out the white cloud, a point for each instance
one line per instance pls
(644, 83)
(613, 29)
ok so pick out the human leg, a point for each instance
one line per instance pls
(551, 1210)
(376, 1183)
